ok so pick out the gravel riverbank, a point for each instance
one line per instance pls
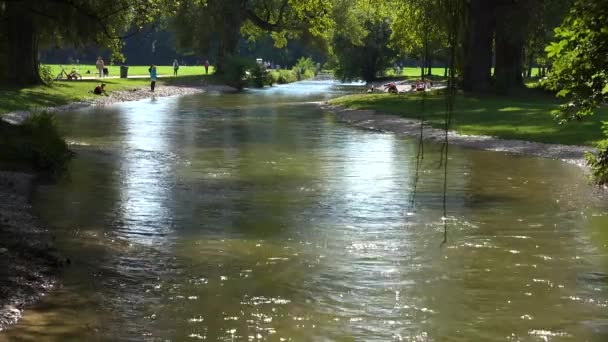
(29, 264)
(373, 120)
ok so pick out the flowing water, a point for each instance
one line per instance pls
(257, 216)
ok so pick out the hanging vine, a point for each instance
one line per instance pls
(454, 13)
(453, 8)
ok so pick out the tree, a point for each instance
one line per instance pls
(420, 30)
(217, 25)
(580, 69)
(477, 45)
(512, 19)
(365, 60)
(30, 24)
(503, 28)
(360, 42)
(545, 16)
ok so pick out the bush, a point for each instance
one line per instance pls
(46, 74)
(273, 75)
(235, 71)
(35, 145)
(308, 74)
(599, 163)
(287, 76)
(259, 77)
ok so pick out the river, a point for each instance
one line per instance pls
(258, 217)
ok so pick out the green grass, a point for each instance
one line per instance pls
(63, 92)
(525, 116)
(135, 70)
(440, 71)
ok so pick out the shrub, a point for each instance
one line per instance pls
(46, 74)
(258, 76)
(36, 144)
(235, 71)
(273, 76)
(308, 74)
(599, 163)
(287, 76)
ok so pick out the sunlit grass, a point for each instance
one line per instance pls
(526, 116)
(135, 70)
(64, 92)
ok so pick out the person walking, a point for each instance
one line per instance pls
(100, 65)
(152, 71)
(175, 67)
(207, 67)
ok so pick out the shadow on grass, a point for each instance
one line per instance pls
(524, 116)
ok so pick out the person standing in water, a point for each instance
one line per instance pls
(152, 71)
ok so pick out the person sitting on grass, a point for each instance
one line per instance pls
(100, 90)
(391, 88)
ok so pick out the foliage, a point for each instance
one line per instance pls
(599, 163)
(420, 29)
(216, 25)
(46, 74)
(305, 68)
(258, 76)
(360, 42)
(30, 25)
(235, 72)
(35, 144)
(580, 69)
(283, 76)
(545, 15)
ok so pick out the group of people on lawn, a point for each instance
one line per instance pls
(103, 71)
(391, 87)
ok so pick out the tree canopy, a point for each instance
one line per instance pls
(217, 25)
(29, 25)
(361, 39)
(580, 69)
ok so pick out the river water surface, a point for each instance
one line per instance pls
(257, 217)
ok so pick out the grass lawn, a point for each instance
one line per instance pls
(415, 72)
(526, 116)
(134, 70)
(63, 92)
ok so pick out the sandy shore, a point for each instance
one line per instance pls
(28, 263)
(373, 120)
(138, 93)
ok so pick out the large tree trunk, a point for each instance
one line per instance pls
(478, 46)
(230, 18)
(511, 23)
(22, 65)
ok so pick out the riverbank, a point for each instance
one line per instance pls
(129, 94)
(374, 120)
(80, 92)
(29, 265)
(523, 116)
